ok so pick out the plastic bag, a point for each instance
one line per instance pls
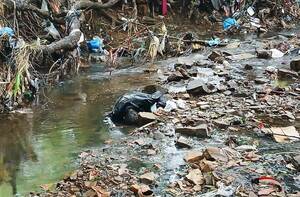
(7, 30)
(95, 45)
(229, 22)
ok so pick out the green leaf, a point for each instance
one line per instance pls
(17, 84)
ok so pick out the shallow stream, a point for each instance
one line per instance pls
(40, 146)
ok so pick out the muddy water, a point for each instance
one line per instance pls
(40, 147)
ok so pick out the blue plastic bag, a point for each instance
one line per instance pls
(214, 42)
(229, 22)
(95, 45)
(7, 30)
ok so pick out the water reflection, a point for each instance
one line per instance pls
(42, 147)
(15, 147)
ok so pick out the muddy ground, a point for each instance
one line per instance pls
(216, 136)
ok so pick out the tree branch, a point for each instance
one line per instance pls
(85, 4)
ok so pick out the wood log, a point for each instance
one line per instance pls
(69, 42)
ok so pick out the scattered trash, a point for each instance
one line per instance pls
(214, 42)
(170, 106)
(276, 53)
(6, 31)
(229, 23)
(129, 105)
(250, 11)
(267, 186)
(95, 45)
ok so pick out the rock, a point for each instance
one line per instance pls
(248, 67)
(183, 72)
(202, 63)
(185, 96)
(232, 85)
(198, 86)
(193, 156)
(264, 54)
(151, 152)
(233, 129)
(90, 193)
(276, 53)
(202, 103)
(146, 117)
(145, 191)
(141, 190)
(176, 76)
(148, 178)
(194, 85)
(215, 154)
(289, 115)
(195, 176)
(242, 56)
(100, 191)
(222, 87)
(204, 72)
(118, 179)
(227, 93)
(204, 107)
(177, 89)
(295, 64)
(261, 80)
(98, 58)
(283, 134)
(135, 188)
(207, 166)
(221, 124)
(271, 69)
(190, 60)
(171, 105)
(73, 176)
(182, 142)
(214, 55)
(158, 135)
(246, 148)
(296, 162)
(140, 142)
(287, 73)
(198, 131)
(226, 64)
(233, 45)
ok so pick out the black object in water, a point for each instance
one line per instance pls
(129, 105)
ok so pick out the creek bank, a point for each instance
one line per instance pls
(237, 158)
(49, 40)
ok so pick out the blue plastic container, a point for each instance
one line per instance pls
(7, 30)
